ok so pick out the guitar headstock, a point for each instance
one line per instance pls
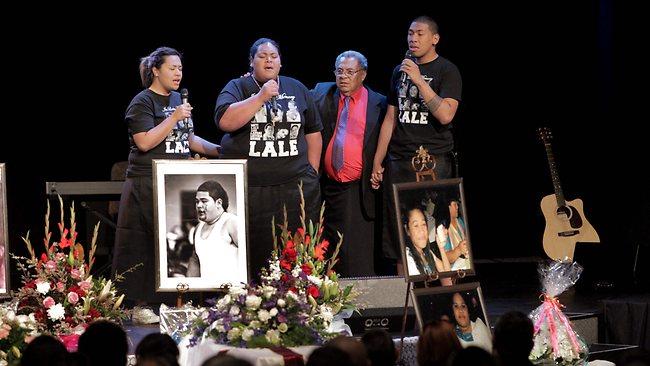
(545, 134)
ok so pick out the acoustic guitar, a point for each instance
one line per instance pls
(565, 220)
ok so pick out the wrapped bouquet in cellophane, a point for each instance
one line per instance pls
(555, 341)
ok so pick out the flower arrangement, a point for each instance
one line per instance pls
(555, 342)
(58, 290)
(296, 302)
(15, 332)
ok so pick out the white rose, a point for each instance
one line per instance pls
(263, 315)
(247, 334)
(268, 291)
(255, 324)
(224, 301)
(238, 290)
(273, 312)
(281, 303)
(253, 301)
(273, 336)
(43, 287)
(233, 334)
(234, 310)
(283, 327)
(56, 312)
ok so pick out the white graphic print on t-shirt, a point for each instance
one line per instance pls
(277, 137)
(177, 141)
(412, 108)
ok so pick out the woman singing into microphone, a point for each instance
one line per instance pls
(282, 148)
(160, 127)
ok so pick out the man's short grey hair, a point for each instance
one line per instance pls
(363, 61)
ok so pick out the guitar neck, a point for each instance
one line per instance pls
(559, 195)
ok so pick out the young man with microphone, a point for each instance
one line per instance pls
(422, 102)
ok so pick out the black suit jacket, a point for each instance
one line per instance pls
(326, 96)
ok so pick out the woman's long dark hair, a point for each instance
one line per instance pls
(429, 251)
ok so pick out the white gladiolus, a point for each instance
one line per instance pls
(315, 280)
(296, 271)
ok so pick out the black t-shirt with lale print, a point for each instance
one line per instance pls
(146, 111)
(415, 125)
(273, 141)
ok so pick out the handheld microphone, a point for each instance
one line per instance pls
(184, 95)
(274, 103)
(409, 55)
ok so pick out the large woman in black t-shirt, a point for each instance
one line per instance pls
(160, 127)
(271, 120)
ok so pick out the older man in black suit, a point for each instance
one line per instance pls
(351, 115)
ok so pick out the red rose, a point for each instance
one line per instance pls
(306, 269)
(40, 316)
(313, 291)
(93, 313)
(70, 320)
(77, 290)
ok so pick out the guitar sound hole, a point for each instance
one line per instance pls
(565, 211)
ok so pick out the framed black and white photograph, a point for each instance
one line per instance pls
(461, 305)
(200, 219)
(432, 226)
(4, 237)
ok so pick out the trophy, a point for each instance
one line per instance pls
(423, 164)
